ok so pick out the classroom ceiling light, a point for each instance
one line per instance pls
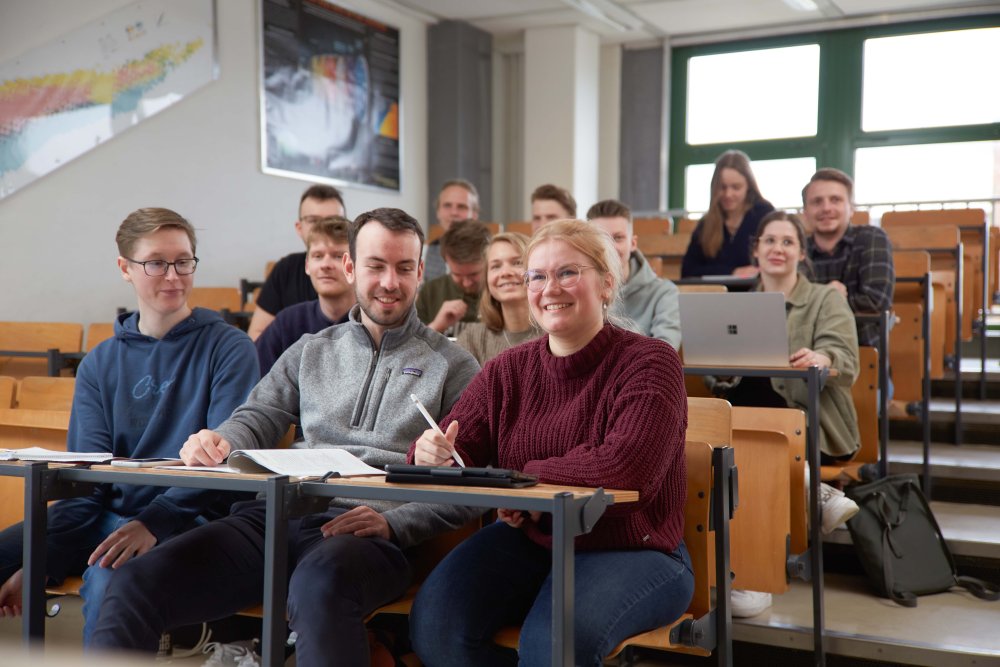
(608, 13)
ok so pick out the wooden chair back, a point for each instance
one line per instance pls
(26, 428)
(860, 218)
(522, 227)
(701, 288)
(906, 352)
(709, 420)
(790, 423)
(268, 268)
(865, 395)
(971, 222)
(434, 232)
(98, 332)
(652, 226)
(686, 226)
(656, 264)
(215, 298)
(45, 393)
(670, 248)
(36, 337)
(7, 387)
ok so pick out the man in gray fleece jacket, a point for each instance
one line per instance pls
(348, 386)
(648, 301)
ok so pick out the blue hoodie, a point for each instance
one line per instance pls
(141, 397)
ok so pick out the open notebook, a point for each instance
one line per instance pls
(293, 462)
(733, 328)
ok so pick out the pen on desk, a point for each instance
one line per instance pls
(430, 420)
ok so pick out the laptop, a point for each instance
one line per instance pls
(733, 328)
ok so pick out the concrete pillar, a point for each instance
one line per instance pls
(561, 96)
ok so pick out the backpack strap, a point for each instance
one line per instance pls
(983, 590)
(903, 598)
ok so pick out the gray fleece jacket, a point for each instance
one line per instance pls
(650, 302)
(345, 393)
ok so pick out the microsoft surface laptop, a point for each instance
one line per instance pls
(733, 329)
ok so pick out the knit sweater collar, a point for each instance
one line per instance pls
(579, 363)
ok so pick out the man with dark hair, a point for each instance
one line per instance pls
(288, 284)
(458, 200)
(453, 298)
(550, 202)
(855, 259)
(348, 387)
(649, 301)
(326, 246)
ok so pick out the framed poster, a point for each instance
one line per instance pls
(329, 95)
(67, 97)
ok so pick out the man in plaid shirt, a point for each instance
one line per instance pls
(855, 259)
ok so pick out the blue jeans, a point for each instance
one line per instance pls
(218, 569)
(498, 577)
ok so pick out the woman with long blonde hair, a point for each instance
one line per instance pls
(720, 244)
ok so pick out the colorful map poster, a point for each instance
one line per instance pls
(330, 97)
(69, 96)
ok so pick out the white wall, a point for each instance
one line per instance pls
(200, 157)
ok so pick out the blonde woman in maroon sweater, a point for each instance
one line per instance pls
(590, 404)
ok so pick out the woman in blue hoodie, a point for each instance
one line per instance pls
(169, 371)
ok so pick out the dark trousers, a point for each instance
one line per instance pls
(218, 569)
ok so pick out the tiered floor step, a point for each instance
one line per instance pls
(968, 462)
(949, 629)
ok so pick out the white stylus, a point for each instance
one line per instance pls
(430, 420)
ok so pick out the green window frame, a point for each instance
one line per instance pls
(839, 131)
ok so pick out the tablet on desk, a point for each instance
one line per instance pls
(497, 477)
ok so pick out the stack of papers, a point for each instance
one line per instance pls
(53, 455)
(293, 462)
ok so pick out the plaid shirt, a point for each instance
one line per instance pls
(862, 261)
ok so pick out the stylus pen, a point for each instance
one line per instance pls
(434, 425)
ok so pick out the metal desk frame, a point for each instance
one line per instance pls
(811, 570)
(884, 321)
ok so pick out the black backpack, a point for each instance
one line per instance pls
(900, 544)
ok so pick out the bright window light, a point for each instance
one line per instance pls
(928, 172)
(780, 181)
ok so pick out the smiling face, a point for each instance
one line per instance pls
(778, 250)
(456, 203)
(625, 243)
(504, 271)
(570, 315)
(385, 275)
(732, 190)
(827, 208)
(325, 267)
(161, 297)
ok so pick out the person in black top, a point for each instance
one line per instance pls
(720, 244)
(287, 283)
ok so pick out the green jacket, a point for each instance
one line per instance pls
(435, 292)
(819, 318)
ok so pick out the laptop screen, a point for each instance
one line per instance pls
(733, 329)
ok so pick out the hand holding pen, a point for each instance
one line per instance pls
(435, 447)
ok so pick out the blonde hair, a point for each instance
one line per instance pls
(595, 244)
(490, 312)
(711, 234)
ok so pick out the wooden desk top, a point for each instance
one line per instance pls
(537, 491)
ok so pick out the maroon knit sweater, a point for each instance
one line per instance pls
(612, 415)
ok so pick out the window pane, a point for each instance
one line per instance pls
(929, 172)
(780, 181)
(932, 80)
(727, 97)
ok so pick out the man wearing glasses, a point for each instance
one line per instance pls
(168, 371)
(287, 284)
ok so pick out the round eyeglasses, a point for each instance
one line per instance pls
(565, 276)
(158, 267)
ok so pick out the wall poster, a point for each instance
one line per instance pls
(329, 95)
(65, 98)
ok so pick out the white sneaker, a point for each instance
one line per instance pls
(745, 604)
(238, 654)
(837, 508)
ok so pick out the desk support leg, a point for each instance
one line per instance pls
(563, 533)
(35, 556)
(275, 572)
(925, 390)
(815, 512)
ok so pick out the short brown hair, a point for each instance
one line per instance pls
(610, 208)
(490, 312)
(322, 193)
(334, 228)
(831, 174)
(144, 221)
(556, 194)
(465, 241)
(465, 185)
(393, 219)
